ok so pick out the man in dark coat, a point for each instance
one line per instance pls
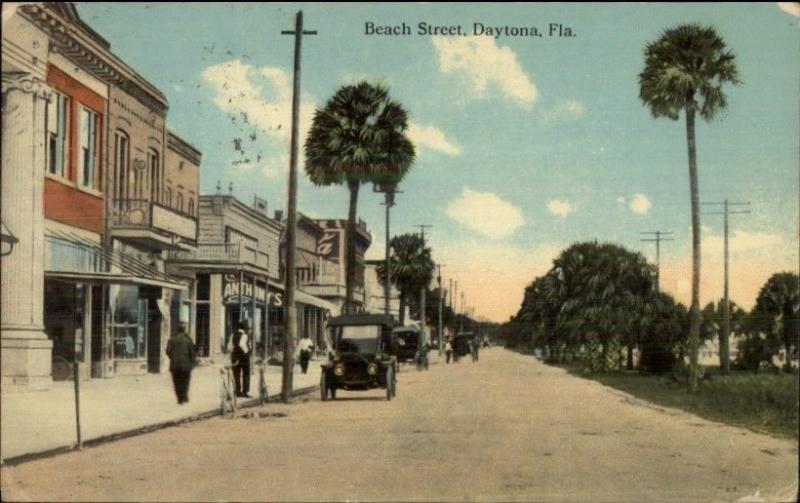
(180, 350)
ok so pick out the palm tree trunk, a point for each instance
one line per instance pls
(350, 268)
(694, 313)
(402, 314)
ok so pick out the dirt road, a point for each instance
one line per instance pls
(505, 429)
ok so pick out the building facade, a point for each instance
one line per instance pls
(237, 266)
(85, 280)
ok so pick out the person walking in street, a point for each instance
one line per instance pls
(448, 349)
(240, 360)
(305, 347)
(181, 354)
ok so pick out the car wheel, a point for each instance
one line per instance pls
(323, 386)
(389, 383)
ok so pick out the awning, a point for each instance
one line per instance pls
(74, 258)
(310, 300)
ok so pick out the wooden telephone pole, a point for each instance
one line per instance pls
(290, 317)
(658, 239)
(724, 336)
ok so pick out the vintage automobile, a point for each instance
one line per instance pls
(461, 344)
(405, 342)
(359, 358)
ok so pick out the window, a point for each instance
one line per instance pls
(57, 134)
(168, 197)
(191, 206)
(179, 204)
(121, 162)
(87, 162)
(155, 174)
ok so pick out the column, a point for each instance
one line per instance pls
(26, 350)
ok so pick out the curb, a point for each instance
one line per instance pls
(112, 437)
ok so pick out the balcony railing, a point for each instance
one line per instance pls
(146, 214)
(229, 253)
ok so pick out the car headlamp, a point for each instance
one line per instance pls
(336, 355)
(339, 369)
(372, 369)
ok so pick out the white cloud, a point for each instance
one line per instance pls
(559, 207)
(432, 138)
(639, 203)
(259, 102)
(485, 213)
(792, 8)
(486, 65)
(566, 110)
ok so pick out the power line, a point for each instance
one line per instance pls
(657, 240)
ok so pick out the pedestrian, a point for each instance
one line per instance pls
(181, 354)
(448, 349)
(305, 347)
(240, 360)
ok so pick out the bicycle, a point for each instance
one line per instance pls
(227, 391)
(263, 393)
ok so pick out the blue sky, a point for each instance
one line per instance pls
(525, 144)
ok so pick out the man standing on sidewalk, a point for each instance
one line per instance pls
(180, 350)
(240, 361)
(305, 347)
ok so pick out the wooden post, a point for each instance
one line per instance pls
(77, 380)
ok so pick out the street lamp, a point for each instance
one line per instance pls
(8, 239)
(388, 189)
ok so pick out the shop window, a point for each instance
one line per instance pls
(121, 163)
(89, 150)
(129, 322)
(57, 134)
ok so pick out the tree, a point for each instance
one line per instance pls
(410, 267)
(358, 137)
(685, 70)
(712, 317)
(777, 312)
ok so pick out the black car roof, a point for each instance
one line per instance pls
(361, 320)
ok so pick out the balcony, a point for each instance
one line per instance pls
(222, 254)
(152, 225)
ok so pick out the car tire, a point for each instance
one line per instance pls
(323, 386)
(389, 383)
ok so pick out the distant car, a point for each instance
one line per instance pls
(405, 342)
(359, 358)
(461, 344)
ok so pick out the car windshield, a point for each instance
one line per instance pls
(362, 339)
(407, 339)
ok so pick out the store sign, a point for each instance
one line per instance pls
(231, 292)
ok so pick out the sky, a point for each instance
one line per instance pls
(525, 144)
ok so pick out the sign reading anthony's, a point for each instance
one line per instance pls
(230, 292)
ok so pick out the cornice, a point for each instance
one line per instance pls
(91, 53)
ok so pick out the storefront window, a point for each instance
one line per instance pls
(129, 322)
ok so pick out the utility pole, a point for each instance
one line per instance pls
(389, 189)
(658, 239)
(724, 338)
(440, 327)
(454, 305)
(290, 317)
(424, 287)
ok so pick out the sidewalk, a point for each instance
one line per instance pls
(40, 421)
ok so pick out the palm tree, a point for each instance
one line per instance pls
(358, 137)
(777, 312)
(410, 267)
(685, 70)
